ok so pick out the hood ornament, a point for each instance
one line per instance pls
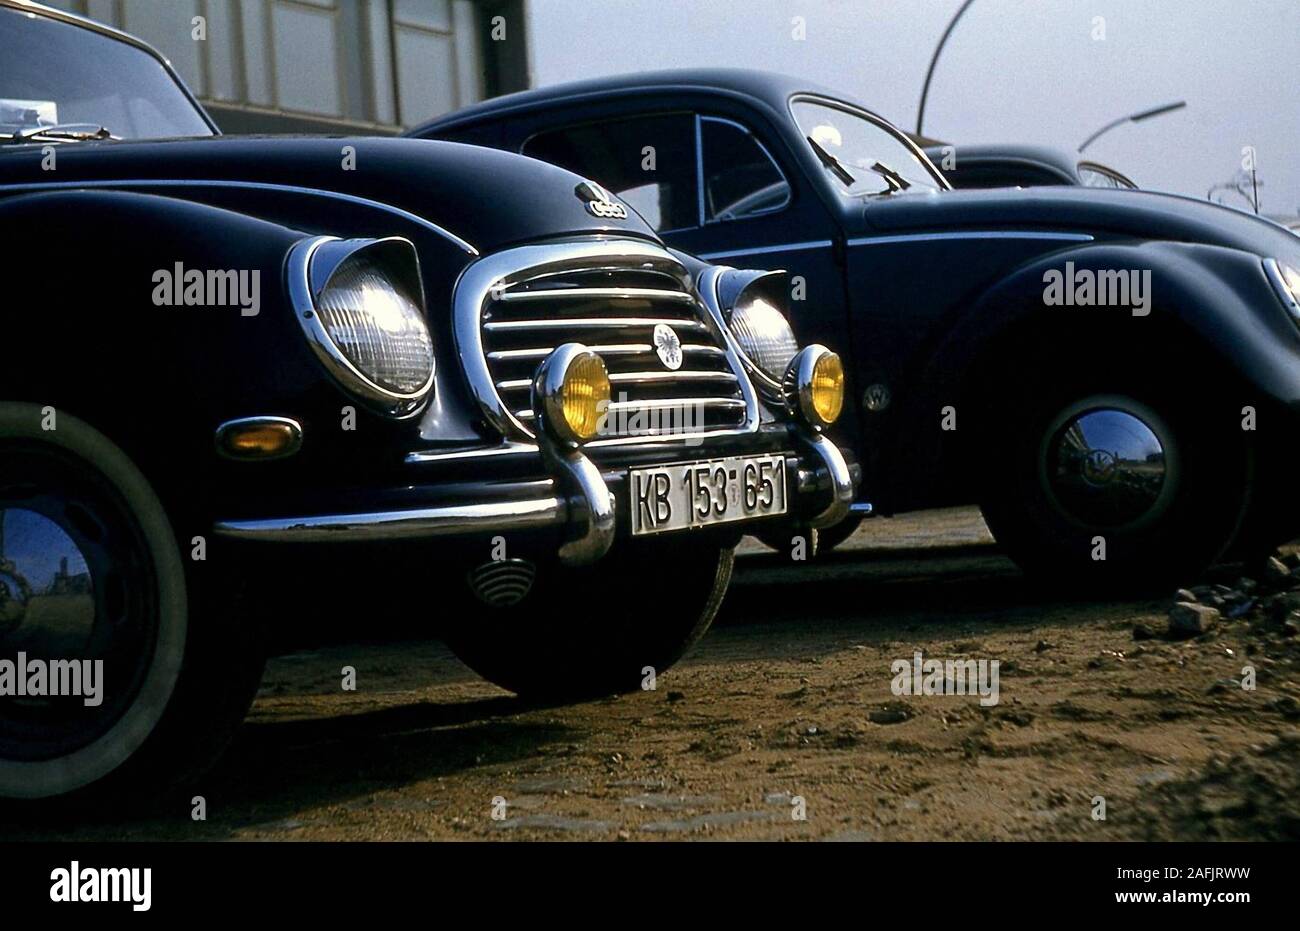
(599, 202)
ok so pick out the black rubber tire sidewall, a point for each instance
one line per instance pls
(592, 631)
(206, 663)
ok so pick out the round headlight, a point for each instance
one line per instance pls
(815, 381)
(571, 393)
(378, 328)
(366, 319)
(764, 334)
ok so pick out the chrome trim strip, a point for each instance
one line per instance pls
(863, 508)
(699, 170)
(970, 234)
(295, 430)
(501, 270)
(613, 349)
(634, 378)
(424, 457)
(255, 185)
(657, 404)
(602, 323)
(494, 517)
(1273, 271)
(762, 250)
(631, 294)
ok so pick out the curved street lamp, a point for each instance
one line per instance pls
(1133, 118)
(934, 60)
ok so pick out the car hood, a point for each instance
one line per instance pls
(490, 199)
(1092, 211)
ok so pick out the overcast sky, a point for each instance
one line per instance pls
(1013, 70)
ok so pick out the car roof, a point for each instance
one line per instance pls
(769, 87)
(1042, 154)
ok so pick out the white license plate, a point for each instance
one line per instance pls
(698, 494)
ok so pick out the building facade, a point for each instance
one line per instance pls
(329, 65)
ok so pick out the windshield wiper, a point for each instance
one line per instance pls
(832, 163)
(63, 132)
(896, 181)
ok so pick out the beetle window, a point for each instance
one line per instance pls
(740, 178)
(864, 155)
(1096, 176)
(648, 161)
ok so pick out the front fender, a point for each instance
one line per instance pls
(86, 332)
(1209, 299)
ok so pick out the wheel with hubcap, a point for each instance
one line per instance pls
(112, 683)
(1136, 487)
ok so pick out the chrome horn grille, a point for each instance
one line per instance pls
(671, 370)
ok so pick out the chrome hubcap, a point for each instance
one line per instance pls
(1109, 466)
(47, 603)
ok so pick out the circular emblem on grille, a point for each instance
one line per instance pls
(1098, 467)
(668, 346)
(875, 398)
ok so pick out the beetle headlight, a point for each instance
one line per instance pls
(1286, 279)
(364, 315)
(751, 303)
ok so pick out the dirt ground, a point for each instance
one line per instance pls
(786, 709)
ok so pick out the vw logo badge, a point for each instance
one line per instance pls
(668, 346)
(876, 398)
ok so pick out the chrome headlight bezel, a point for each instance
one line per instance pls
(312, 265)
(1285, 279)
(762, 291)
(799, 386)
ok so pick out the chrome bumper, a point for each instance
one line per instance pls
(581, 500)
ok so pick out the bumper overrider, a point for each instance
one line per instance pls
(553, 473)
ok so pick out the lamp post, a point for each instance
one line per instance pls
(934, 60)
(1132, 118)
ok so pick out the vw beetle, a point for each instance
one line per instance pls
(251, 380)
(1112, 375)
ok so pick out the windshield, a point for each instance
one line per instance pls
(861, 155)
(54, 73)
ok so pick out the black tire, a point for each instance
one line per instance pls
(596, 630)
(179, 667)
(1049, 494)
(827, 538)
(830, 537)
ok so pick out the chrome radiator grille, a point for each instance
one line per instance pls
(615, 304)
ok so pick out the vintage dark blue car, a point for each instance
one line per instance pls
(316, 372)
(992, 165)
(1114, 376)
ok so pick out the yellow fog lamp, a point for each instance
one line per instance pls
(259, 438)
(814, 384)
(571, 394)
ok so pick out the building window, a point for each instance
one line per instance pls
(316, 65)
